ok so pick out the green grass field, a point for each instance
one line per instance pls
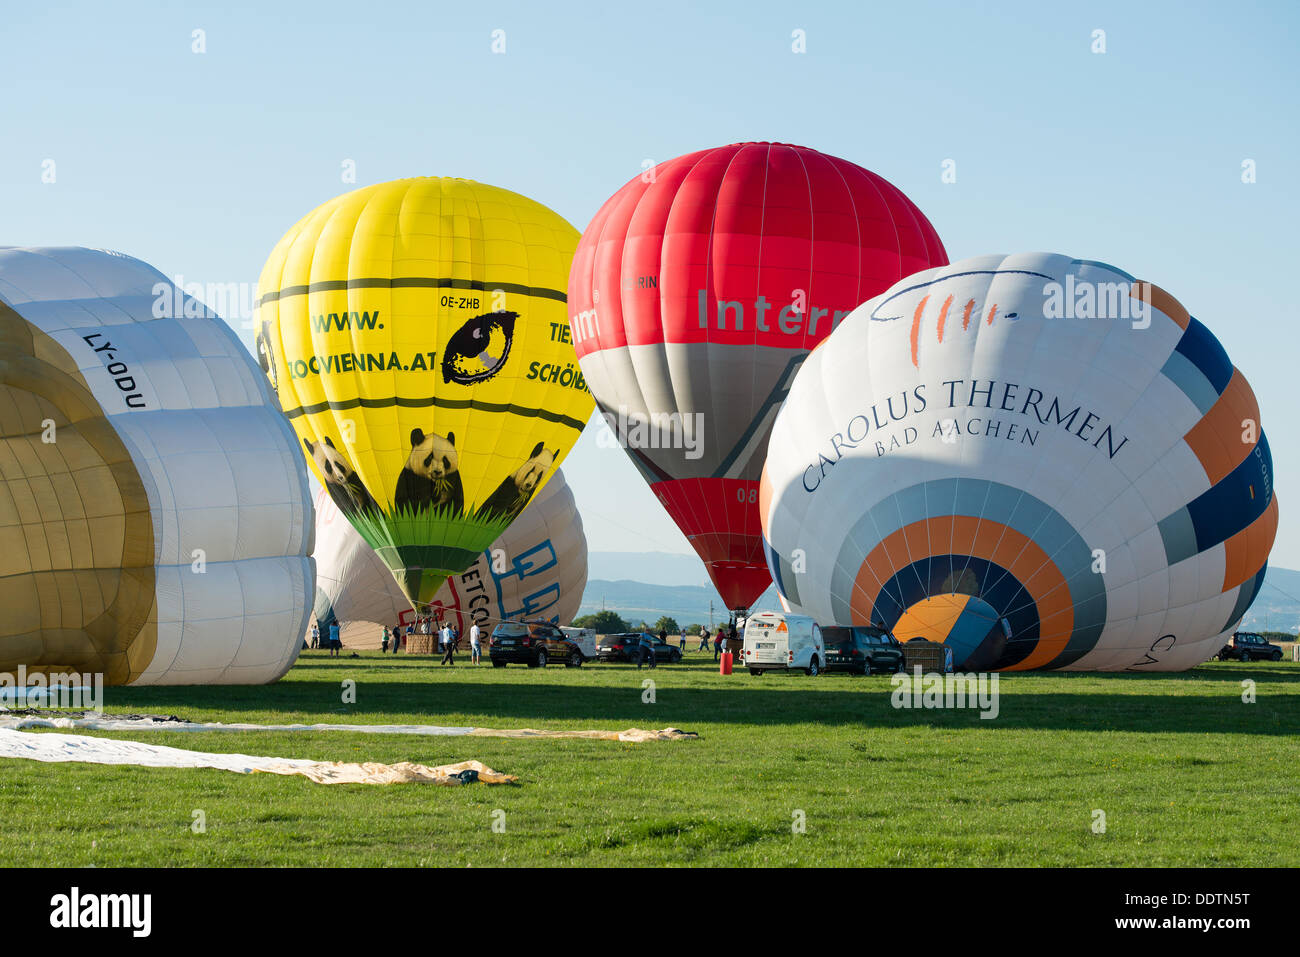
(1186, 773)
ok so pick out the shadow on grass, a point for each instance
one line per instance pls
(520, 698)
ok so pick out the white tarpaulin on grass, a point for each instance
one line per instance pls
(51, 747)
(91, 722)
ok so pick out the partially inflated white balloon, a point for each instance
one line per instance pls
(1036, 459)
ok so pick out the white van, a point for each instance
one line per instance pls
(775, 641)
(585, 639)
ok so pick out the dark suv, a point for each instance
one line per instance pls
(862, 650)
(1248, 646)
(532, 643)
(623, 648)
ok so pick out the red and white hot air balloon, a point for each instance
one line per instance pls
(696, 293)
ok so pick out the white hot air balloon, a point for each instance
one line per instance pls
(155, 520)
(536, 569)
(1038, 460)
(352, 581)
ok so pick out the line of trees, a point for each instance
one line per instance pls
(612, 623)
(1274, 636)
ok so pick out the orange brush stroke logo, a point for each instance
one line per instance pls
(894, 307)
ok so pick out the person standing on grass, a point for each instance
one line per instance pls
(717, 643)
(474, 643)
(383, 641)
(315, 635)
(449, 653)
(335, 643)
(397, 637)
(704, 640)
(645, 649)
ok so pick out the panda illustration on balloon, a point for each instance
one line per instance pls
(341, 479)
(431, 476)
(515, 491)
(431, 479)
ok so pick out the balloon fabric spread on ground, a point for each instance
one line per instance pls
(541, 572)
(1046, 435)
(417, 336)
(155, 522)
(696, 292)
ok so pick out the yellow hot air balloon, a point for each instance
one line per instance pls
(417, 334)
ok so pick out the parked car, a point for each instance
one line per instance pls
(622, 647)
(586, 639)
(862, 650)
(1248, 646)
(775, 641)
(532, 643)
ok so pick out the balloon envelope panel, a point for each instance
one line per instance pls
(1046, 434)
(696, 292)
(416, 333)
(536, 569)
(155, 523)
(352, 581)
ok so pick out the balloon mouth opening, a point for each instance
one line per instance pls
(967, 624)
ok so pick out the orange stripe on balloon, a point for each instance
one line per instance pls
(1218, 438)
(916, 327)
(943, 316)
(1152, 294)
(965, 530)
(1244, 554)
(764, 499)
(965, 316)
(992, 310)
(916, 539)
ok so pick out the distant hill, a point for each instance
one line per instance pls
(650, 568)
(649, 584)
(1277, 607)
(689, 604)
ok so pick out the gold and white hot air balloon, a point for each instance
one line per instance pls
(155, 520)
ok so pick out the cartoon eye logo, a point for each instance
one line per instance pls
(478, 349)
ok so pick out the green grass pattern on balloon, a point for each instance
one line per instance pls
(424, 547)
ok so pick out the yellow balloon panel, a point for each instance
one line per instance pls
(417, 334)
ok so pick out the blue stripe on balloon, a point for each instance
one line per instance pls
(1181, 371)
(1235, 501)
(1102, 265)
(1245, 596)
(1199, 345)
(1179, 536)
(777, 566)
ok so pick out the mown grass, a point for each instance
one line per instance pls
(1186, 773)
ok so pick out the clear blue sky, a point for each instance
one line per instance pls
(198, 163)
